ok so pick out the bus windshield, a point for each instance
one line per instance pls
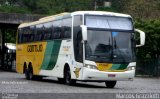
(109, 39)
(107, 46)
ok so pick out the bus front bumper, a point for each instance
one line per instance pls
(96, 75)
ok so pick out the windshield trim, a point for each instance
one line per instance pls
(117, 30)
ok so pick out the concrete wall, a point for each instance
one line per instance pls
(11, 21)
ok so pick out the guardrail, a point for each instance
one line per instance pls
(149, 67)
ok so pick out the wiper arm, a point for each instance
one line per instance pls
(115, 43)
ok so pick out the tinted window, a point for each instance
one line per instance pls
(32, 33)
(66, 28)
(57, 29)
(47, 30)
(20, 31)
(39, 32)
(26, 34)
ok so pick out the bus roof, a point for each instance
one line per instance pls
(65, 15)
(100, 13)
(45, 19)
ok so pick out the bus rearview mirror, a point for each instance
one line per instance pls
(84, 32)
(142, 37)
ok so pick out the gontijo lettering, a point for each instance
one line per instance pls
(35, 48)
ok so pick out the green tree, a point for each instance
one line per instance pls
(143, 9)
(119, 5)
(152, 46)
(10, 35)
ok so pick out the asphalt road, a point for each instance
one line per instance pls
(11, 82)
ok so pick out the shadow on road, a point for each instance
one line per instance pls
(78, 84)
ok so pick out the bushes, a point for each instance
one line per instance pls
(151, 49)
(13, 9)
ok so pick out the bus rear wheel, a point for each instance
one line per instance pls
(110, 84)
(67, 77)
(29, 74)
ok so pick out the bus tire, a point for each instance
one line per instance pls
(67, 77)
(37, 77)
(110, 84)
(61, 80)
(24, 67)
(29, 73)
(26, 73)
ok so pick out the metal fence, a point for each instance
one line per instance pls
(148, 67)
(9, 61)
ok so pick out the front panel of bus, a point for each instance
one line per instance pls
(109, 51)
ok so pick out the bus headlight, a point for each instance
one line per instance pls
(131, 68)
(90, 66)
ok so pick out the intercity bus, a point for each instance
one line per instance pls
(90, 46)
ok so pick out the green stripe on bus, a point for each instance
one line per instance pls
(51, 55)
(123, 66)
(115, 66)
(119, 66)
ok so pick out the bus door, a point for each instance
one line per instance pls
(78, 46)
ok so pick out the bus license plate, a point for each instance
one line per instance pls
(111, 75)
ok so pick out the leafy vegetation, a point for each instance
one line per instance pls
(15, 9)
(45, 7)
(152, 46)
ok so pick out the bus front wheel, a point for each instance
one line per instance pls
(61, 80)
(67, 77)
(110, 84)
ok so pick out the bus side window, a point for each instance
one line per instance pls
(52, 33)
(39, 32)
(57, 29)
(67, 28)
(25, 35)
(54, 29)
(42, 33)
(32, 35)
(20, 31)
(45, 33)
(35, 33)
(47, 30)
(56, 33)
